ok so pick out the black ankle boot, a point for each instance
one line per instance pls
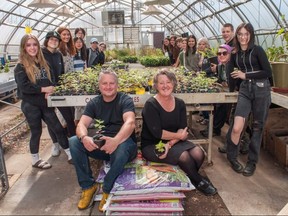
(249, 169)
(236, 166)
(206, 188)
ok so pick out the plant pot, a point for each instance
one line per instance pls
(158, 153)
(280, 74)
(98, 141)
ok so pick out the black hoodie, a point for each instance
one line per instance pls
(28, 91)
(55, 62)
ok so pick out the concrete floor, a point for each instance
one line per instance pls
(56, 191)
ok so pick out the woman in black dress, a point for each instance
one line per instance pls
(164, 118)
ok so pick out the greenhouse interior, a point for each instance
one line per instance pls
(88, 78)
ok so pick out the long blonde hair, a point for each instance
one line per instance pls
(30, 64)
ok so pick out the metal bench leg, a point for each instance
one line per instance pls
(3, 173)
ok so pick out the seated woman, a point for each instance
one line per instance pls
(164, 118)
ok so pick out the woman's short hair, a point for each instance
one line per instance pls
(170, 75)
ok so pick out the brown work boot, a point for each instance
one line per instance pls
(103, 201)
(86, 197)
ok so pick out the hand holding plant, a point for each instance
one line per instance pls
(99, 125)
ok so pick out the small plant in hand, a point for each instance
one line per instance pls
(99, 125)
(159, 148)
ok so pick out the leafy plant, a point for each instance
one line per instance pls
(159, 148)
(155, 61)
(130, 59)
(276, 54)
(209, 52)
(99, 125)
(6, 66)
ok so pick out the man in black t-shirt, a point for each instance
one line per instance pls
(117, 111)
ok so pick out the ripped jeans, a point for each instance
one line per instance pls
(254, 96)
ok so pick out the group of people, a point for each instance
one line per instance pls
(238, 53)
(242, 63)
(37, 73)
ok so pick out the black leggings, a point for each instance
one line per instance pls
(190, 162)
(34, 115)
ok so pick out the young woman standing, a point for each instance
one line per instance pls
(67, 49)
(34, 84)
(192, 58)
(253, 68)
(79, 66)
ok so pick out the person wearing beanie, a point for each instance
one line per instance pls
(55, 61)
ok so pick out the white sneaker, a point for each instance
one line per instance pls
(55, 151)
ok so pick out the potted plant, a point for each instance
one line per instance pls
(278, 57)
(159, 148)
(99, 125)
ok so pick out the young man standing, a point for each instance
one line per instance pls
(118, 113)
(93, 53)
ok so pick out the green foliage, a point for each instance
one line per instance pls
(6, 66)
(79, 83)
(129, 81)
(189, 82)
(148, 51)
(119, 54)
(130, 59)
(276, 54)
(155, 61)
(99, 125)
(209, 52)
(160, 146)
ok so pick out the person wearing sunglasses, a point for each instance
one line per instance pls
(253, 68)
(224, 54)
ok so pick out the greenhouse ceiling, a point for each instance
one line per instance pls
(203, 18)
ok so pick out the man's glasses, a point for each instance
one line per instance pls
(222, 53)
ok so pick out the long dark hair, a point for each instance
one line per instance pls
(193, 49)
(83, 52)
(250, 29)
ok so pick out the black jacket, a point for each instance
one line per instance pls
(95, 61)
(253, 62)
(101, 58)
(55, 62)
(28, 91)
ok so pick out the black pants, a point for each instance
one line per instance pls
(34, 116)
(68, 115)
(220, 116)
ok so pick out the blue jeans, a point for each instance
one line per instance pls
(254, 97)
(124, 153)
